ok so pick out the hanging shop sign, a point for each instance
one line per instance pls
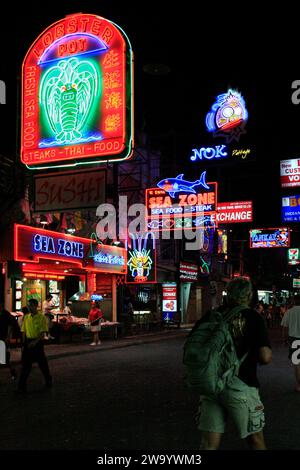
(178, 203)
(32, 245)
(290, 209)
(228, 116)
(77, 100)
(169, 300)
(188, 272)
(293, 256)
(270, 238)
(69, 190)
(233, 212)
(141, 259)
(290, 173)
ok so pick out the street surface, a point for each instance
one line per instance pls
(132, 398)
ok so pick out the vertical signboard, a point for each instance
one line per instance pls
(169, 300)
(141, 260)
(77, 94)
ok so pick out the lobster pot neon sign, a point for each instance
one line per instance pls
(77, 94)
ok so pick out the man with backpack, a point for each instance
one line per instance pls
(221, 355)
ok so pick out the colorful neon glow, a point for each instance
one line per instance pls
(32, 245)
(178, 184)
(209, 153)
(185, 211)
(228, 116)
(270, 238)
(77, 94)
(141, 262)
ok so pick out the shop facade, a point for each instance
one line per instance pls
(44, 262)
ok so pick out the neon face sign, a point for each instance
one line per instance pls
(77, 94)
(228, 116)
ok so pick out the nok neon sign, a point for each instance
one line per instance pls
(209, 153)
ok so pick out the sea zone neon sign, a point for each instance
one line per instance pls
(33, 245)
(77, 99)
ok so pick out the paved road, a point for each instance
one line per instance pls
(132, 399)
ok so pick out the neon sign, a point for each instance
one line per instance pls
(44, 244)
(294, 256)
(290, 173)
(209, 153)
(228, 116)
(185, 211)
(142, 260)
(32, 245)
(291, 208)
(270, 238)
(178, 184)
(77, 94)
(109, 259)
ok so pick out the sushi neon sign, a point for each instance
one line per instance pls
(77, 94)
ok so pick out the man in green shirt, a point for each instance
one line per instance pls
(34, 328)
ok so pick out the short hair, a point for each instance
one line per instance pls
(239, 291)
(33, 301)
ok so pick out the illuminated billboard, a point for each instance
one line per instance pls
(180, 204)
(77, 100)
(270, 238)
(290, 173)
(228, 116)
(188, 272)
(291, 209)
(293, 256)
(233, 212)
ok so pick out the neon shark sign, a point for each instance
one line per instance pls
(178, 184)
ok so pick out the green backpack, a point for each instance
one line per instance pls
(209, 354)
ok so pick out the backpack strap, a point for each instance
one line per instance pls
(231, 313)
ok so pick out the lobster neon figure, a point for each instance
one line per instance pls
(141, 260)
(67, 94)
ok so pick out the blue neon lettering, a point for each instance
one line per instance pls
(70, 248)
(43, 244)
(209, 153)
(109, 259)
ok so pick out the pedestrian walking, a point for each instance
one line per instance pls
(47, 308)
(239, 399)
(9, 328)
(95, 316)
(291, 333)
(34, 328)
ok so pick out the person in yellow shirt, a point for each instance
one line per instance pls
(34, 328)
